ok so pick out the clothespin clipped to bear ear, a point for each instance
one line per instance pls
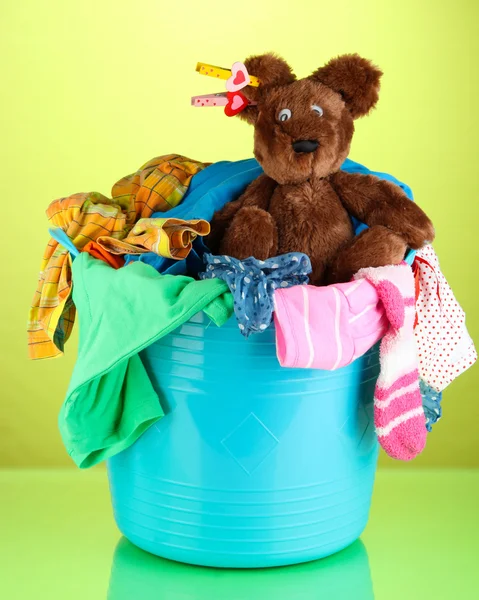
(236, 78)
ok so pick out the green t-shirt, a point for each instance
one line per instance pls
(110, 401)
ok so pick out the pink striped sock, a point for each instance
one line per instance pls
(398, 413)
(399, 418)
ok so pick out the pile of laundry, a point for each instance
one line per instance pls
(135, 267)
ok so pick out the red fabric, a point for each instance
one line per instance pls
(97, 251)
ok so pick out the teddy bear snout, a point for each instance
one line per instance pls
(305, 145)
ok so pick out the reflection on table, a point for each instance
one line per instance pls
(135, 574)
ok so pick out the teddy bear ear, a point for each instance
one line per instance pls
(272, 71)
(355, 78)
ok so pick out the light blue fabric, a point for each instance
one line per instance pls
(252, 283)
(215, 186)
(431, 403)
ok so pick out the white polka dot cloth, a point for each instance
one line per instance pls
(445, 348)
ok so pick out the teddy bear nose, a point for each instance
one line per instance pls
(305, 145)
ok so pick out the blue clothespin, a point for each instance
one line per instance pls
(61, 237)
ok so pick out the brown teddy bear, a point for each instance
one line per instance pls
(302, 134)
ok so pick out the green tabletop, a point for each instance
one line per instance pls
(58, 540)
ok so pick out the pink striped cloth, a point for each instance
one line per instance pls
(329, 327)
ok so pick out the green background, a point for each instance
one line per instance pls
(93, 89)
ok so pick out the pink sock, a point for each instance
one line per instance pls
(398, 413)
(399, 418)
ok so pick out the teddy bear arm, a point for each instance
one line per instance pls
(220, 223)
(253, 232)
(378, 202)
(257, 194)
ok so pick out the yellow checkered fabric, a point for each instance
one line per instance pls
(157, 186)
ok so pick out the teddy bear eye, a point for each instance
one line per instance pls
(284, 114)
(317, 109)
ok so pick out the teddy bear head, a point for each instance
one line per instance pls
(303, 127)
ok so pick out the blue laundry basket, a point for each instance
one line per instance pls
(254, 465)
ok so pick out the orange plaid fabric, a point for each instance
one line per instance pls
(157, 186)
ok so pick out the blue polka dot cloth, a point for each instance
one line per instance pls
(431, 403)
(252, 283)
